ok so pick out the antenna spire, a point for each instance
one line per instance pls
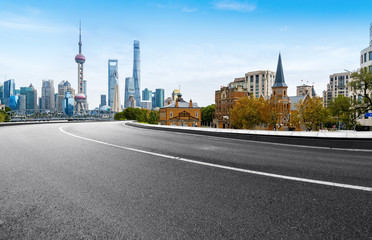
(80, 37)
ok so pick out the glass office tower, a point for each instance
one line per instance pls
(68, 104)
(159, 97)
(137, 72)
(31, 98)
(2, 94)
(9, 88)
(48, 95)
(129, 90)
(113, 76)
(146, 95)
(103, 100)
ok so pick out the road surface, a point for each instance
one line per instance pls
(107, 180)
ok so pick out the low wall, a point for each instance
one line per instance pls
(341, 140)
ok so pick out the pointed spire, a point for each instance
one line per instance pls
(80, 37)
(279, 78)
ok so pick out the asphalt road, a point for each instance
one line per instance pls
(111, 181)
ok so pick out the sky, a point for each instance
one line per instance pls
(197, 46)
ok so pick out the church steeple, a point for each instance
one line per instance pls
(280, 97)
(279, 78)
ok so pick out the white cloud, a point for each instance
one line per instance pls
(283, 29)
(29, 22)
(186, 9)
(235, 6)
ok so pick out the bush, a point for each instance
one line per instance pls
(4, 117)
(140, 115)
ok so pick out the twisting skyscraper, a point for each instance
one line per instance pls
(137, 72)
(80, 98)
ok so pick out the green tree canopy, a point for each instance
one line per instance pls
(341, 109)
(312, 113)
(4, 117)
(361, 84)
(246, 112)
(207, 113)
(141, 115)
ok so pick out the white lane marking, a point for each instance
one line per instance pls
(261, 142)
(333, 184)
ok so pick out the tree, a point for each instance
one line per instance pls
(269, 112)
(141, 115)
(154, 117)
(362, 85)
(207, 114)
(312, 112)
(295, 120)
(4, 116)
(246, 112)
(341, 108)
(119, 116)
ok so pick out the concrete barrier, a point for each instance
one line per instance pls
(338, 140)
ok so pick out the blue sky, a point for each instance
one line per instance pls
(200, 45)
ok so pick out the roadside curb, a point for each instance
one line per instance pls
(5, 124)
(346, 143)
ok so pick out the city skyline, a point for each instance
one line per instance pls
(199, 46)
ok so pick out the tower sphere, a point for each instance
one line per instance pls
(80, 58)
(80, 97)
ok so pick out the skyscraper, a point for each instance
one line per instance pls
(159, 97)
(80, 98)
(137, 72)
(103, 100)
(9, 88)
(131, 102)
(366, 54)
(129, 90)
(1, 93)
(112, 80)
(68, 104)
(116, 105)
(146, 95)
(13, 102)
(63, 87)
(175, 94)
(31, 98)
(47, 95)
(21, 104)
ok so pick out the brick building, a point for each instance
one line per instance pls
(224, 102)
(180, 113)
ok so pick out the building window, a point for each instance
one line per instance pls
(171, 113)
(370, 55)
(370, 68)
(196, 114)
(365, 57)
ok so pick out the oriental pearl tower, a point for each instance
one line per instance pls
(80, 98)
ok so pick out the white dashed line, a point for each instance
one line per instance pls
(333, 184)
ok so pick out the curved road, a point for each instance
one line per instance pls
(111, 181)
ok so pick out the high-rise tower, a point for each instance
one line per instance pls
(113, 77)
(128, 90)
(137, 72)
(366, 54)
(80, 98)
